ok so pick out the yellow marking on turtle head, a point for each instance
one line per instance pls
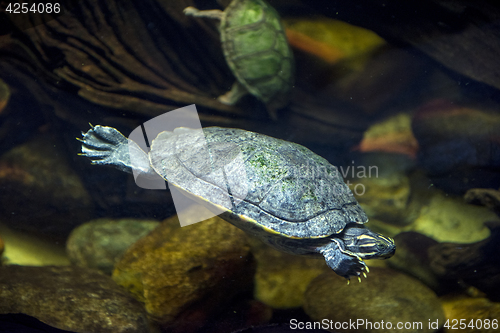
(361, 237)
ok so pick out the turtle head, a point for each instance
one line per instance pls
(344, 253)
(368, 244)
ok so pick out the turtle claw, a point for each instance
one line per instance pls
(106, 145)
(100, 141)
(358, 268)
(343, 262)
(102, 144)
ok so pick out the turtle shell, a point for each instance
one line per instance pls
(256, 49)
(262, 184)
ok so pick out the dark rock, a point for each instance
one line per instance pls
(70, 298)
(40, 192)
(484, 197)
(250, 312)
(100, 243)
(185, 276)
(18, 322)
(242, 312)
(459, 145)
(476, 264)
(412, 257)
(386, 295)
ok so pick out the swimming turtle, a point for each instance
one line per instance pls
(279, 191)
(256, 50)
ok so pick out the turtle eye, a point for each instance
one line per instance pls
(381, 246)
(385, 247)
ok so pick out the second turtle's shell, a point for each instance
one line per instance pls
(256, 49)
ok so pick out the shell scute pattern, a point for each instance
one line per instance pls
(256, 49)
(289, 189)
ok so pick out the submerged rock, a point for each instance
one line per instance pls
(185, 276)
(383, 300)
(332, 40)
(241, 313)
(485, 197)
(392, 135)
(18, 322)
(412, 257)
(70, 298)
(40, 192)
(447, 218)
(281, 278)
(476, 264)
(459, 145)
(100, 243)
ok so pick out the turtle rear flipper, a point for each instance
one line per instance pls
(106, 145)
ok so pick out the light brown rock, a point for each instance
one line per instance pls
(385, 296)
(186, 275)
(100, 243)
(281, 278)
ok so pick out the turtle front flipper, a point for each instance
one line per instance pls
(106, 145)
(343, 262)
